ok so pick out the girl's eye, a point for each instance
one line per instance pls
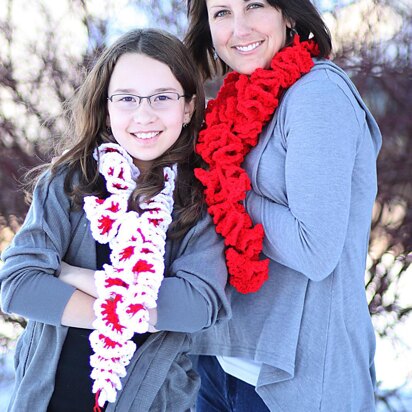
(128, 99)
(162, 97)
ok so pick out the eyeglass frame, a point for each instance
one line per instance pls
(144, 97)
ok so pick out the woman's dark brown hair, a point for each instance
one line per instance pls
(88, 113)
(307, 21)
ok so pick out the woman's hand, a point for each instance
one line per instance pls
(81, 278)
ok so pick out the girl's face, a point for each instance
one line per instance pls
(246, 34)
(146, 130)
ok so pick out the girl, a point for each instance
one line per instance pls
(122, 209)
(288, 127)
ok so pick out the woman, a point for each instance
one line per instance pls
(291, 180)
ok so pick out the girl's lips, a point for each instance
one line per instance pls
(146, 135)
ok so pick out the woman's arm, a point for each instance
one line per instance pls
(321, 134)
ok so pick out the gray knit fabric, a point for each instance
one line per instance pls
(191, 298)
(313, 175)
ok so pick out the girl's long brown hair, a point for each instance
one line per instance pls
(87, 114)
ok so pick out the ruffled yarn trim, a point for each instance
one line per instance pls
(234, 121)
(128, 287)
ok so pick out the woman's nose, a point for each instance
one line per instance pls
(241, 25)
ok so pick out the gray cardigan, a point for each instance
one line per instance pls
(191, 298)
(313, 175)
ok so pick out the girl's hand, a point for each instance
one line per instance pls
(153, 320)
(81, 278)
(79, 312)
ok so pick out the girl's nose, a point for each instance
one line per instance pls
(144, 113)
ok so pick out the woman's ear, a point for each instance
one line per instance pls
(189, 109)
(290, 24)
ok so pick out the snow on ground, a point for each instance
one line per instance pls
(393, 368)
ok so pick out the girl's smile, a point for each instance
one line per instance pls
(146, 135)
(146, 128)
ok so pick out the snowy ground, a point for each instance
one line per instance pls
(6, 380)
(393, 366)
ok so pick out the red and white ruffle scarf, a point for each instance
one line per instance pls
(128, 287)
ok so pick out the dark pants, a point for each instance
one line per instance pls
(220, 392)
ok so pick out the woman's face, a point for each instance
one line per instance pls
(246, 34)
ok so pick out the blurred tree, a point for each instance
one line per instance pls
(41, 68)
(165, 14)
(43, 53)
(378, 56)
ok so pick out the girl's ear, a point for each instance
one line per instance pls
(189, 109)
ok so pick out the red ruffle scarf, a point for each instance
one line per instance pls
(234, 121)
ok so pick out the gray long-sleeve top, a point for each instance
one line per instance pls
(313, 176)
(191, 298)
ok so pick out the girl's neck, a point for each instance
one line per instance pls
(142, 165)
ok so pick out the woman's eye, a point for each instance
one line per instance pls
(220, 13)
(255, 5)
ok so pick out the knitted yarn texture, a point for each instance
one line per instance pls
(234, 121)
(128, 287)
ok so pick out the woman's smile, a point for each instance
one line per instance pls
(249, 47)
(246, 35)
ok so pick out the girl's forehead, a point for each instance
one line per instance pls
(142, 73)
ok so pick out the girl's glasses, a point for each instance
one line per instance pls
(158, 101)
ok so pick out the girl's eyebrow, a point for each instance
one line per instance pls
(158, 90)
(166, 89)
